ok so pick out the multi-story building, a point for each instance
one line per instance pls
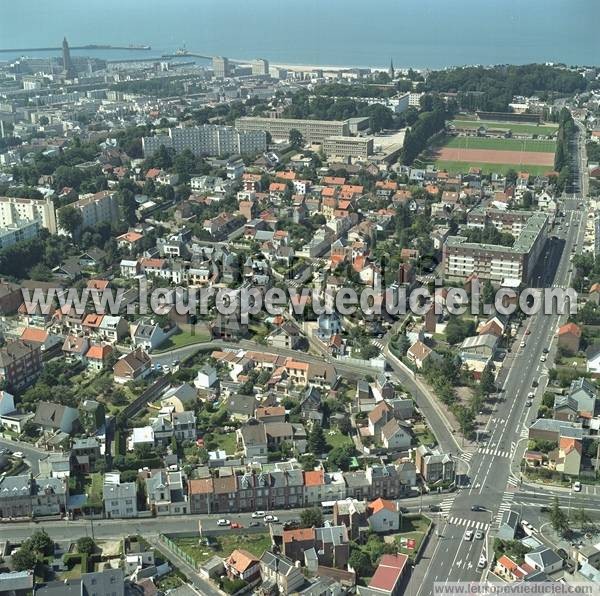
(260, 67)
(221, 67)
(97, 208)
(120, 498)
(20, 363)
(24, 496)
(493, 262)
(511, 222)
(208, 139)
(313, 131)
(348, 147)
(433, 465)
(14, 210)
(19, 232)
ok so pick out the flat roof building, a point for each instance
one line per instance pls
(494, 262)
(313, 131)
(348, 147)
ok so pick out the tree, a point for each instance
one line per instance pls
(311, 518)
(488, 293)
(44, 121)
(70, 219)
(361, 563)
(24, 559)
(340, 457)
(86, 545)
(40, 542)
(296, 139)
(487, 381)
(316, 440)
(558, 518)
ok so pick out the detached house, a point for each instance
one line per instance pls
(52, 418)
(132, 366)
(383, 516)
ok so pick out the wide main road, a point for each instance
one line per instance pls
(493, 483)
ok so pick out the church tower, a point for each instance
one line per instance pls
(67, 64)
(391, 70)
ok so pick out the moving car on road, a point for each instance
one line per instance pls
(223, 522)
(576, 485)
(270, 519)
(468, 535)
(259, 514)
(478, 535)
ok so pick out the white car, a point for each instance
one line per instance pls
(270, 519)
(576, 485)
(478, 535)
(543, 358)
(530, 395)
(468, 535)
(482, 562)
(223, 522)
(18, 454)
(258, 514)
(522, 344)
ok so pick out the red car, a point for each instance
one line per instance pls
(236, 526)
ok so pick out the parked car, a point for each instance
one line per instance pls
(482, 562)
(18, 454)
(223, 522)
(270, 519)
(253, 524)
(576, 485)
(236, 526)
(259, 514)
(528, 403)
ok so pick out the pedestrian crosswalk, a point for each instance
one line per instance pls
(513, 482)
(378, 344)
(495, 451)
(524, 433)
(466, 456)
(468, 523)
(507, 499)
(447, 503)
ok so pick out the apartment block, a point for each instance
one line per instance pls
(19, 232)
(97, 208)
(313, 131)
(496, 263)
(221, 67)
(260, 67)
(348, 147)
(20, 363)
(14, 211)
(511, 222)
(209, 139)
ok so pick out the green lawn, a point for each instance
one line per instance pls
(499, 144)
(256, 544)
(93, 488)
(532, 129)
(337, 439)
(458, 167)
(182, 339)
(423, 435)
(414, 528)
(225, 441)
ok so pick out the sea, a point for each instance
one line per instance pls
(412, 33)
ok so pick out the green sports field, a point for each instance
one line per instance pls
(528, 129)
(499, 144)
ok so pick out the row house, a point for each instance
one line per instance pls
(26, 497)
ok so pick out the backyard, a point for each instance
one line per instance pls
(256, 544)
